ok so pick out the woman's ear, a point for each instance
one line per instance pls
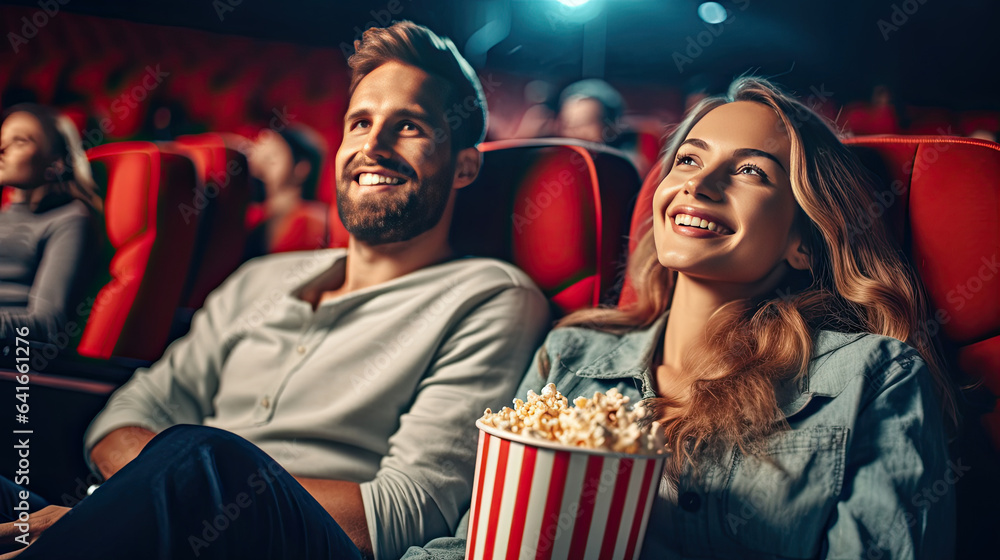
(467, 164)
(798, 256)
(301, 172)
(56, 170)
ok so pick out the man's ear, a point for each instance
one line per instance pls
(467, 164)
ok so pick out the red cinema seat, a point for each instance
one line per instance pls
(144, 190)
(558, 209)
(225, 184)
(936, 176)
(936, 121)
(928, 178)
(972, 121)
(929, 184)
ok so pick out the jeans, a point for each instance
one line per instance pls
(193, 492)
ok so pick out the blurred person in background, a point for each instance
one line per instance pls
(539, 120)
(983, 134)
(287, 165)
(48, 227)
(593, 110)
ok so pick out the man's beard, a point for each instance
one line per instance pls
(394, 215)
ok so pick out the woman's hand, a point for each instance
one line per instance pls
(37, 522)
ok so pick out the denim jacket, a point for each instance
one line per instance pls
(863, 471)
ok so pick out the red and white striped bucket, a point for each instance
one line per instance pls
(537, 500)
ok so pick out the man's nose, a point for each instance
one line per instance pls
(378, 143)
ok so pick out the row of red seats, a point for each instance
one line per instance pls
(175, 217)
(864, 119)
(121, 72)
(555, 208)
(561, 210)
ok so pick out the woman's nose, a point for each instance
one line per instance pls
(705, 185)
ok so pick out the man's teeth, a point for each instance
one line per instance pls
(693, 221)
(376, 179)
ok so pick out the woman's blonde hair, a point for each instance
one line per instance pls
(857, 282)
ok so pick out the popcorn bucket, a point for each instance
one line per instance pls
(542, 500)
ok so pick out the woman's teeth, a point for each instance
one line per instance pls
(694, 221)
(376, 179)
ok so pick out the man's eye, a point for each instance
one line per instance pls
(409, 127)
(360, 124)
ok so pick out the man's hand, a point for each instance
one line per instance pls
(118, 448)
(38, 522)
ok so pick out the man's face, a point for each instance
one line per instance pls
(583, 118)
(395, 169)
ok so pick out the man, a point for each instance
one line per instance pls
(591, 110)
(360, 372)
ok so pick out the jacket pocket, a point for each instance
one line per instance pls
(778, 504)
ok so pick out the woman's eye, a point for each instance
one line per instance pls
(686, 160)
(751, 169)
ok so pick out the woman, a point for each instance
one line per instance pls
(801, 402)
(47, 229)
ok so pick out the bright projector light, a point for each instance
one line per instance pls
(712, 12)
(573, 3)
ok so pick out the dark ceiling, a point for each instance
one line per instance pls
(932, 52)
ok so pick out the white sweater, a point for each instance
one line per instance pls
(381, 386)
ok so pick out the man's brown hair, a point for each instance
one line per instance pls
(415, 45)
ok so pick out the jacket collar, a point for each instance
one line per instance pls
(632, 356)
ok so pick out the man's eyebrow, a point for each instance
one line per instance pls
(402, 113)
(413, 114)
(360, 111)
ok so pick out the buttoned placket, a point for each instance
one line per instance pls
(308, 339)
(698, 510)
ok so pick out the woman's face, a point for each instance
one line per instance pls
(725, 211)
(24, 156)
(271, 161)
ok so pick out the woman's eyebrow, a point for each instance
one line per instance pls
(740, 153)
(696, 142)
(751, 152)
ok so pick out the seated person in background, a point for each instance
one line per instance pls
(355, 376)
(801, 399)
(287, 163)
(49, 229)
(538, 120)
(593, 110)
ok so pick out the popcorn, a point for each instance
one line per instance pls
(603, 422)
